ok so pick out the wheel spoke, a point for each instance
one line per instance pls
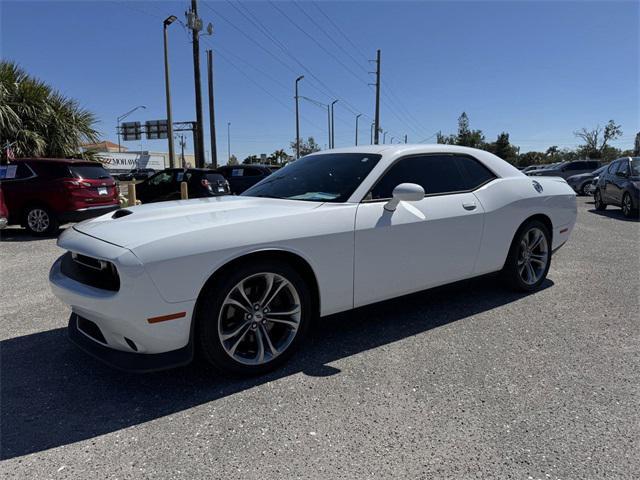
(537, 240)
(292, 311)
(282, 284)
(233, 348)
(235, 303)
(270, 278)
(265, 335)
(290, 323)
(541, 258)
(260, 342)
(531, 272)
(226, 336)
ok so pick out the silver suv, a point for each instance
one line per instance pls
(567, 169)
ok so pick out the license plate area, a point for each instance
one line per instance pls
(102, 191)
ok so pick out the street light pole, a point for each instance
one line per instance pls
(333, 128)
(357, 117)
(122, 117)
(384, 137)
(168, 21)
(372, 127)
(298, 119)
(228, 141)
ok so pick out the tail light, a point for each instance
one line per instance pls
(75, 184)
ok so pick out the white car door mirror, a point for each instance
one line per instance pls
(405, 192)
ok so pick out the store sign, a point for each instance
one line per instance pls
(123, 162)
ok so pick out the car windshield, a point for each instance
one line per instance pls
(331, 177)
(89, 171)
(635, 166)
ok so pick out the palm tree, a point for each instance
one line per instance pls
(37, 120)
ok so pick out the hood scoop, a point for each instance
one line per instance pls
(123, 212)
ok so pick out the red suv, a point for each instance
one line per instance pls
(40, 194)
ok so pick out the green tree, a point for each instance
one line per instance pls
(465, 136)
(37, 120)
(233, 160)
(278, 157)
(503, 148)
(310, 146)
(251, 159)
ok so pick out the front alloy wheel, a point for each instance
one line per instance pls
(253, 317)
(259, 318)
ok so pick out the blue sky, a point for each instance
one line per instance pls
(538, 70)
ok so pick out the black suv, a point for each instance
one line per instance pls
(620, 185)
(136, 174)
(165, 185)
(241, 177)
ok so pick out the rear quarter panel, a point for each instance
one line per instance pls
(508, 202)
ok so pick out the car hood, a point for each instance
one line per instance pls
(134, 226)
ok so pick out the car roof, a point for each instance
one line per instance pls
(72, 161)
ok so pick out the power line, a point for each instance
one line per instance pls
(317, 5)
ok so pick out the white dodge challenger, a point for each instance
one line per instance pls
(239, 279)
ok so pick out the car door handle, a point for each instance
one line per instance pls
(469, 206)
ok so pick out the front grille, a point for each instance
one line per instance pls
(90, 271)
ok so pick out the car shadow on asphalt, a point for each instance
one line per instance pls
(614, 213)
(52, 394)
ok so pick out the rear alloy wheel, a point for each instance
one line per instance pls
(600, 205)
(252, 321)
(39, 221)
(627, 207)
(529, 257)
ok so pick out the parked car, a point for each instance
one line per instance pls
(581, 183)
(40, 194)
(4, 213)
(136, 174)
(241, 177)
(566, 169)
(165, 185)
(591, 187)
(619, 185)
(240, 278)
(531, 168)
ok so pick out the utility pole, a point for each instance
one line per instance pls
(212, 116)
(298, 119)
(168, 21)
(195, 24)
(372, 127)
(357, 117)
(376, 135)
(405, 138)
(333, 127)
(329, 123)
(183, 144)
(228, 141)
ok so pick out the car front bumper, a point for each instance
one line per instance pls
(86, 213)
(127, 361)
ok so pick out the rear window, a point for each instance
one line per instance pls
(214, 177)
(89, 171)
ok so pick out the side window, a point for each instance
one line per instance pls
(576, 166)
(252, 172)
(593, 165)
(237, 172)
(15, 171)
(435, 173)
(161, 178)
(474, 173)
(612, 168)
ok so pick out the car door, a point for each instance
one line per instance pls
(618, 182)
(156, 188)
(19, 187)
(421, 244)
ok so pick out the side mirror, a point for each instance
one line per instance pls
(622, 174)
(405, 192)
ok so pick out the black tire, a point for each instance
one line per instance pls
(600, 205)
(209, 345)
(511, 274)
(40, 221)
(627, 207)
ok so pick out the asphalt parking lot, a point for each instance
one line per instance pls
(465, 381)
